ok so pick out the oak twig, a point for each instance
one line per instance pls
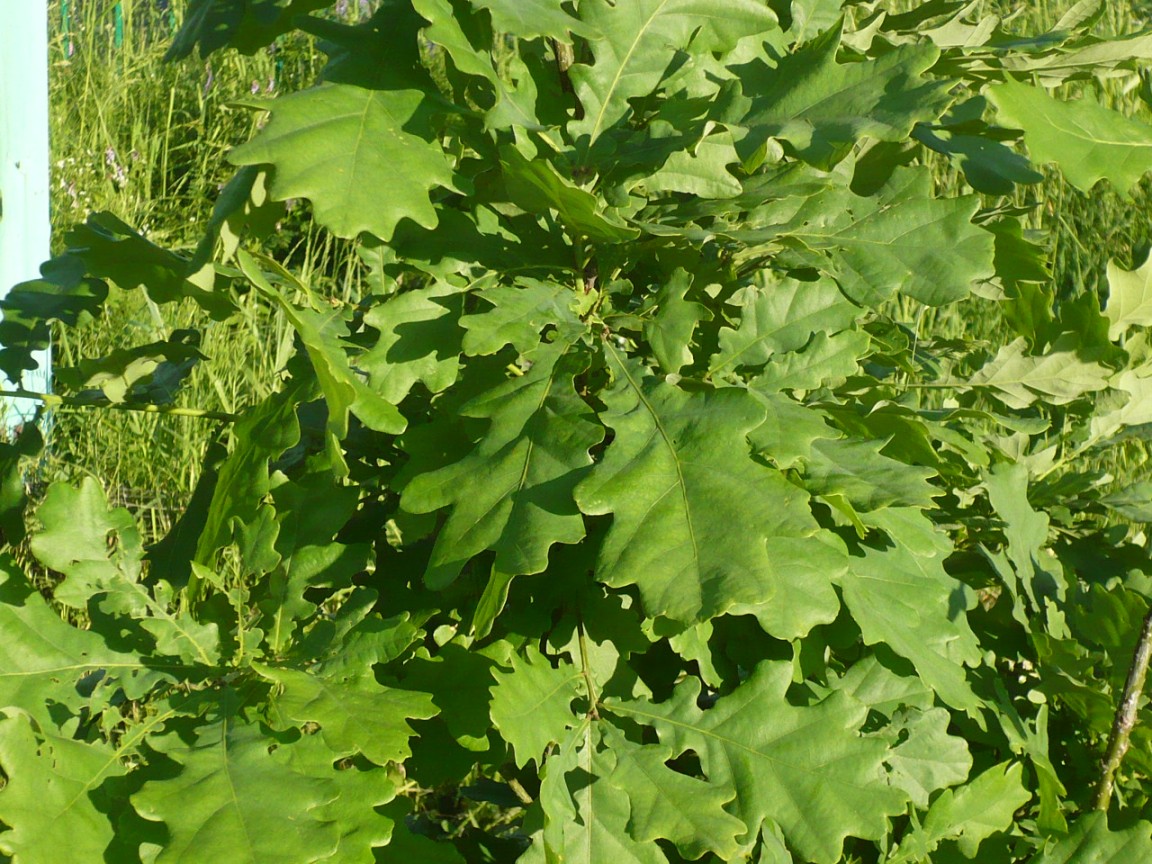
(593, 698)
(1125, 722)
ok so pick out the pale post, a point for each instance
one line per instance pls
(25, 226)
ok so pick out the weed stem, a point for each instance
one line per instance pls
(51, 400)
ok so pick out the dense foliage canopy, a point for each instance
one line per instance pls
(629, 511)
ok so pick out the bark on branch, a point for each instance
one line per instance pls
(1126, 711)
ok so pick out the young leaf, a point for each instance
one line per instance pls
(669, 330)
(787, 762)
(691, 508)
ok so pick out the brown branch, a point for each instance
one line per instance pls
(1126, 711)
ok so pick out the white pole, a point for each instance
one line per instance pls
(25, 226)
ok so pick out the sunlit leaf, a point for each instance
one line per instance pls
(336, 145)
(1088, 141)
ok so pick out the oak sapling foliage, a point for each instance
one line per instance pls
(628, 515)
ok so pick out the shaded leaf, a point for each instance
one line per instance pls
(823, 108)
(150, 373)
(322, 334)
(420, 341)
(355, 715)
(513, 492)
(50, 797)
(537, 187)
(98, 550)
(230, 798)
(989, 166)
(520, 312)
(246, 25)
(666, 804)
(44, 661)
(903, 597)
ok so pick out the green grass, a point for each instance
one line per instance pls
(147, 141)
